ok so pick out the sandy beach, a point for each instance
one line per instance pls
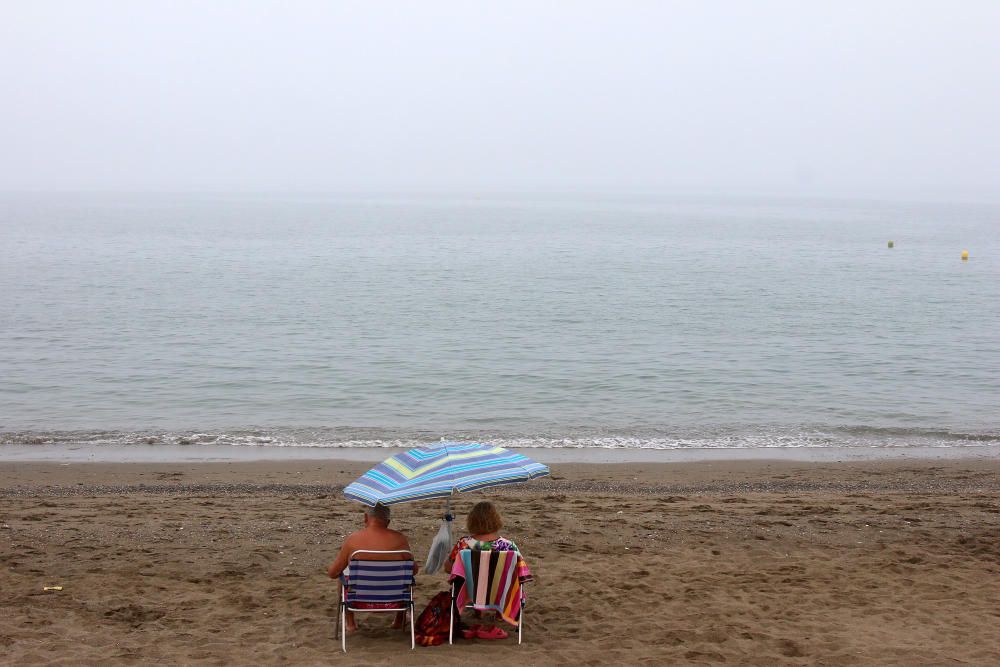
(751, 562)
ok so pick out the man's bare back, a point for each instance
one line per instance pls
(375, 536)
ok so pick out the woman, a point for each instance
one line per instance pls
(484, 526)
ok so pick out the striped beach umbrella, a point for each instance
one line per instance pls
(439, 470)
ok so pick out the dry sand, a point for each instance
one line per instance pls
(760, 563)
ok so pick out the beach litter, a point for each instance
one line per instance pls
(52, 588)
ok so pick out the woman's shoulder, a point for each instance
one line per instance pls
(505, 544)
(463, 543)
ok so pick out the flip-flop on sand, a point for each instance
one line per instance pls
(491, 633)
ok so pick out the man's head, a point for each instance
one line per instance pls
(378, 515)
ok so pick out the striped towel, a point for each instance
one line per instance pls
(379, 580)
(491, 582)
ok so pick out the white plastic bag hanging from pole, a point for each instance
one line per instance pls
(440, 547)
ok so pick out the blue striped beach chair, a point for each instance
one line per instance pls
(388, 583)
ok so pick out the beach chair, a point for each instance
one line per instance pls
(385, 582)
(488, 581)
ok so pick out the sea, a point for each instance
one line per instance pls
(570, 321)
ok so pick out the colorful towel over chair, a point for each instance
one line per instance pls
(492, 581)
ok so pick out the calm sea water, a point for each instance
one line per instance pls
(532, 322)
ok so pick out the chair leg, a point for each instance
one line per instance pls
(451, 612)
(343, 631)
(413, 633)
(340, 610)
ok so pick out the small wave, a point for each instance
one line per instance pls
(850, 436)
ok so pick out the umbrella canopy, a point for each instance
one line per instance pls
(439, 470)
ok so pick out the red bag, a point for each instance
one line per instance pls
(432, 624)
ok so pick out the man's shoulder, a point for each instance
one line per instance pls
(400, 537)
(355, 540)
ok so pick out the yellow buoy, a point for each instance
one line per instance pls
(892, 243)
(965, 255)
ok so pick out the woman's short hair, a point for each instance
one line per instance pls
(484, 519)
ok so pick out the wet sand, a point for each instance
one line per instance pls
(715, 562)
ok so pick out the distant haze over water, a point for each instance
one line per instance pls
(541, 321)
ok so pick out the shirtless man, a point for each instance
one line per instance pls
(375, 536)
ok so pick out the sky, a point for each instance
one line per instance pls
(840, 98)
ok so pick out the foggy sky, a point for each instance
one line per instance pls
(785, 97)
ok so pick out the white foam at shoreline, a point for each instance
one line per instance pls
(305, 438)
(111, 453)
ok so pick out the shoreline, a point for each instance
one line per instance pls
(85, 453)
